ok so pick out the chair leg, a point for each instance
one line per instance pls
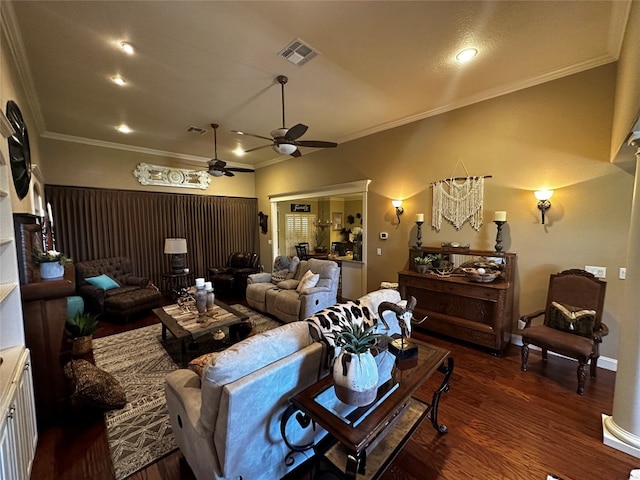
(544, 354)
(582, 377)
(524, 354)
(594, 366)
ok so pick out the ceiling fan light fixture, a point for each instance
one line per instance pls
(216, 173)
(285, 148)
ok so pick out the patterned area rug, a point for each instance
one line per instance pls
(140, 433)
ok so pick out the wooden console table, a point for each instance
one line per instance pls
(480, 313)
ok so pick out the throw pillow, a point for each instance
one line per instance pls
(571, 319)
(93, 387)
(309, 280)
(198, 364)
(103, 281)
(284, 268)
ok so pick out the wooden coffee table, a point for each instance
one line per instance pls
(360, 430)
(189, 326)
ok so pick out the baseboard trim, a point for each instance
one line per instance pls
(603, 362)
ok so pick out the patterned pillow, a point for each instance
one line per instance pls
(93, 387)
(309, 280)
(571, 319)
(284, 268)
(198, 364)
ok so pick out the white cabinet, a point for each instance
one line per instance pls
(18, 433)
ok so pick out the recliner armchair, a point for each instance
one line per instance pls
(572, 321)
(231, 279)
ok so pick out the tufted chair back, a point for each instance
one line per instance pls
(118, 268)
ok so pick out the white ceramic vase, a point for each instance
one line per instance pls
(49, 270)
(355, 377)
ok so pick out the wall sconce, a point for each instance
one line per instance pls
(544, 204)
(398, 206)
(176, 247)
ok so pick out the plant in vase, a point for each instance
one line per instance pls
(80, 328)
(422, 263)
(51, 263)
(355, 372)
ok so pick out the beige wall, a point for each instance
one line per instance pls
(68, 163)
(555, 135)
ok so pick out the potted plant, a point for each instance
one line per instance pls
(51, 263)
(422, 263)
(355, 372)
(80, 328)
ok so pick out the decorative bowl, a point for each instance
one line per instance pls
(482, 276)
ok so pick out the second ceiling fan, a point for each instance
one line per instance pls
(285, 140)
(217, 167)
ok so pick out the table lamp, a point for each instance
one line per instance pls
(176, 247)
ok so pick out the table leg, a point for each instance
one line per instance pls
(164, 332)
(447, 370)
(183, 351)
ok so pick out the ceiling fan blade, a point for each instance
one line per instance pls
(295, 132)
(258, 148)
(296, 153)
(228, 173)
(252, 135)
(239, 169)
(315, 143)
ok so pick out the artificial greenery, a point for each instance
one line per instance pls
(427, 259)
(50, 256)
(356, 338)
(81, 325)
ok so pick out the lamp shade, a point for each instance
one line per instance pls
(543, 194)
(175, 245)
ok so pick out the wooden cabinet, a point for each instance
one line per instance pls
(480, 313)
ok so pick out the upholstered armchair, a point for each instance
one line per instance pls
(572, 321)
(109, 287)
(231, 279)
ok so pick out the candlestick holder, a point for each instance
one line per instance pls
(419, 241)
(498, 247)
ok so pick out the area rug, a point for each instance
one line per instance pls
(140, 433)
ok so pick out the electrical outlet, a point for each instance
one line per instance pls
(598, 272)
(623, 273)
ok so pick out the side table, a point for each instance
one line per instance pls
(359, 430)
(174, 283)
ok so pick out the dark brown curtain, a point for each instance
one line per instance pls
(91, 223)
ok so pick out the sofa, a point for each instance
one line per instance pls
(226, 420)
(230, 280)
(109, 288)
(283, 296)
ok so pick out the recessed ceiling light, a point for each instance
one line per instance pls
(123, 129)
(127, 47)
(465, 55)
(118, 80)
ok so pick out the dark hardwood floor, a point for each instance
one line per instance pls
(503, 424)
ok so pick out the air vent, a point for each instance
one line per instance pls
(298, 52)
(198, 130)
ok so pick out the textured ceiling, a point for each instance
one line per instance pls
(381, 64)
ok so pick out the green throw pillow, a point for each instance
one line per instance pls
(571, 319)
(103, 281)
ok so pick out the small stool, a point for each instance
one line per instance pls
(75, 304)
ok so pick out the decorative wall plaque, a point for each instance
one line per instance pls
(148, 174)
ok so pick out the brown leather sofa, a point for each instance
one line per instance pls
(231, 280)
(130, 297)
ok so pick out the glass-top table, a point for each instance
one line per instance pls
(360, 429)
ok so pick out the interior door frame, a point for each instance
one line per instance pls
(358, 186)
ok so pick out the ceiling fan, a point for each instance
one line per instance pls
(217, 167)
(285, 140)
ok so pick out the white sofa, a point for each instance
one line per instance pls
(227, 422)
(283, 301)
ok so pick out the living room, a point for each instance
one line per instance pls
(562, 133)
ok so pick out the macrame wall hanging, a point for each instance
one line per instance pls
(458, 199)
